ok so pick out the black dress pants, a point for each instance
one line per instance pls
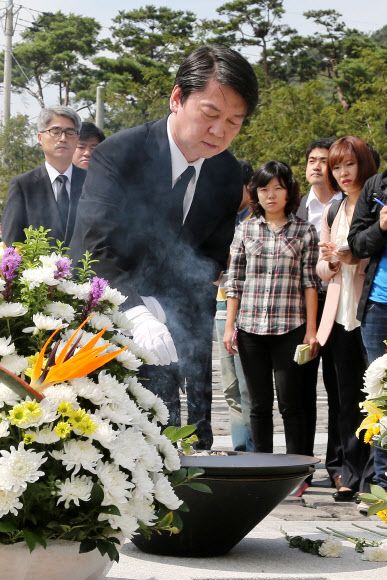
(261, 355)
(334, 455)
(350, 360)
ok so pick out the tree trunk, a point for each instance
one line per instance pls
(342, 99)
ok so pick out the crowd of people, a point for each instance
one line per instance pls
(160, 205)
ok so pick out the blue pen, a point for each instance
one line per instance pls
(378, 201)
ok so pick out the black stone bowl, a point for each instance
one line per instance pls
(246, 487)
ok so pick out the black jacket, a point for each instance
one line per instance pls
(31, 202)
(365, 237)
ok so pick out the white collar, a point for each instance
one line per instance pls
(53, 173)
(312, 196)
(178, 161)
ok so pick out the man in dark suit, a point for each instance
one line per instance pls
(158, 211)
(47, 196)
(89, 138)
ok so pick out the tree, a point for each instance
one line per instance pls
(252, 23)
(54, 53)
(19, 151)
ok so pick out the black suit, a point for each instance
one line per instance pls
(334, 453)
(31, 201)
(125, 219)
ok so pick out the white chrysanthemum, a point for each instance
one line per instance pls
(169, 453)
(10, 502)
(61, 310)
(374, 376)
(46, 414)
(74, 489)
(150, 459)
(50, 261)
(113, 296)
(121, 320)
(115, 484)
(80, 291)
(34, 277)
(144, 397)
(4, 428)
(12, 309)
(99, 321)
(129, 446)
(59, 393)
(164, 492)
(331, 548)
(150, 430)
(113, 390)
(104, 434)
(144, 484)
(21, 467)
(77, 454)
(7, 396)
(126, 522)
(142, 353)
(6, 346)
(45, 435)
(127, 359)
(160, 411)
(43, 322)
(14, 363)
(143, 510)
(125, 412)
(376, 554)
(88, 389)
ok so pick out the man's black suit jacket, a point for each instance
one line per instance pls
(31, 201)
(124, 219)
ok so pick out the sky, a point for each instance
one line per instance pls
(365, 16)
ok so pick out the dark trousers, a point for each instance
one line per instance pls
(351, 362)
(192, 335)
(308, 385)
(261, 355)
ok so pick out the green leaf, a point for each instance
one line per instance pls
(87, 546)
(166, 521)
(102, 546)
(200, 487)
(195, 472)
(183, 432)
(113, 553)
(184, 507)
(185, 447)
(169, 431)
(111, 509)
(368, 498)
(376, 507)
(18, 386)
(97, 494)
(178, 476)
(177, 521)
(33, 538)
(378, 491)
(7, 527)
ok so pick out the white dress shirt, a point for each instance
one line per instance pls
(179, 165)
(315, 209)
(53, 174)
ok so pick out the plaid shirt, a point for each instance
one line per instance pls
(269, 271)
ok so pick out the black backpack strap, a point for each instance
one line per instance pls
(334, 208)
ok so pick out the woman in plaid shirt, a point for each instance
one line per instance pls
(272, 301)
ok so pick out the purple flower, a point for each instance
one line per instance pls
(97, 287)
(63, 268)
(10, 263)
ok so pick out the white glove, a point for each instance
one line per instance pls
(153, 335)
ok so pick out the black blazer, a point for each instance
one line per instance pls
(124, 218)
(31, 201)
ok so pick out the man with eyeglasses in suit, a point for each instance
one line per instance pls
(48, 195)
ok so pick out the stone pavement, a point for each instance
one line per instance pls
(264, 553)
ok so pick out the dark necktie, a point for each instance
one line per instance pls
(178, 193)
(63, 199)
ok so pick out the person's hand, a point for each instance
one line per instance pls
(327, 249)
(383, 219)
(150, 333)
(227, 340)
(346, 257)
(310, 338)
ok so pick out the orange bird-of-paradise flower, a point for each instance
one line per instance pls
(67, 365)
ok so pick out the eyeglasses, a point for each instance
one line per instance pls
(57, 132)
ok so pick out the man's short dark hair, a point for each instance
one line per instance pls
(89, 130)
(223, 64)
(266, 173)
(247, 171)
(325, 143)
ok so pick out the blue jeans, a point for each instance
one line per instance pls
(235, 393)
(374, 332)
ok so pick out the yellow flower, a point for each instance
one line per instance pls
(382, 515)
(65, 408)
(368, 436)
(32, 362)
(375, 414)
(34, 408)
(80, 420)
(63, 429)
(87, 427)
(19, 415)
(28, 438)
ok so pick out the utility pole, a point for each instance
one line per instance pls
(8, 62)
(99, 113)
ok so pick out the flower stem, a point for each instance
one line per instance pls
(372, 531)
